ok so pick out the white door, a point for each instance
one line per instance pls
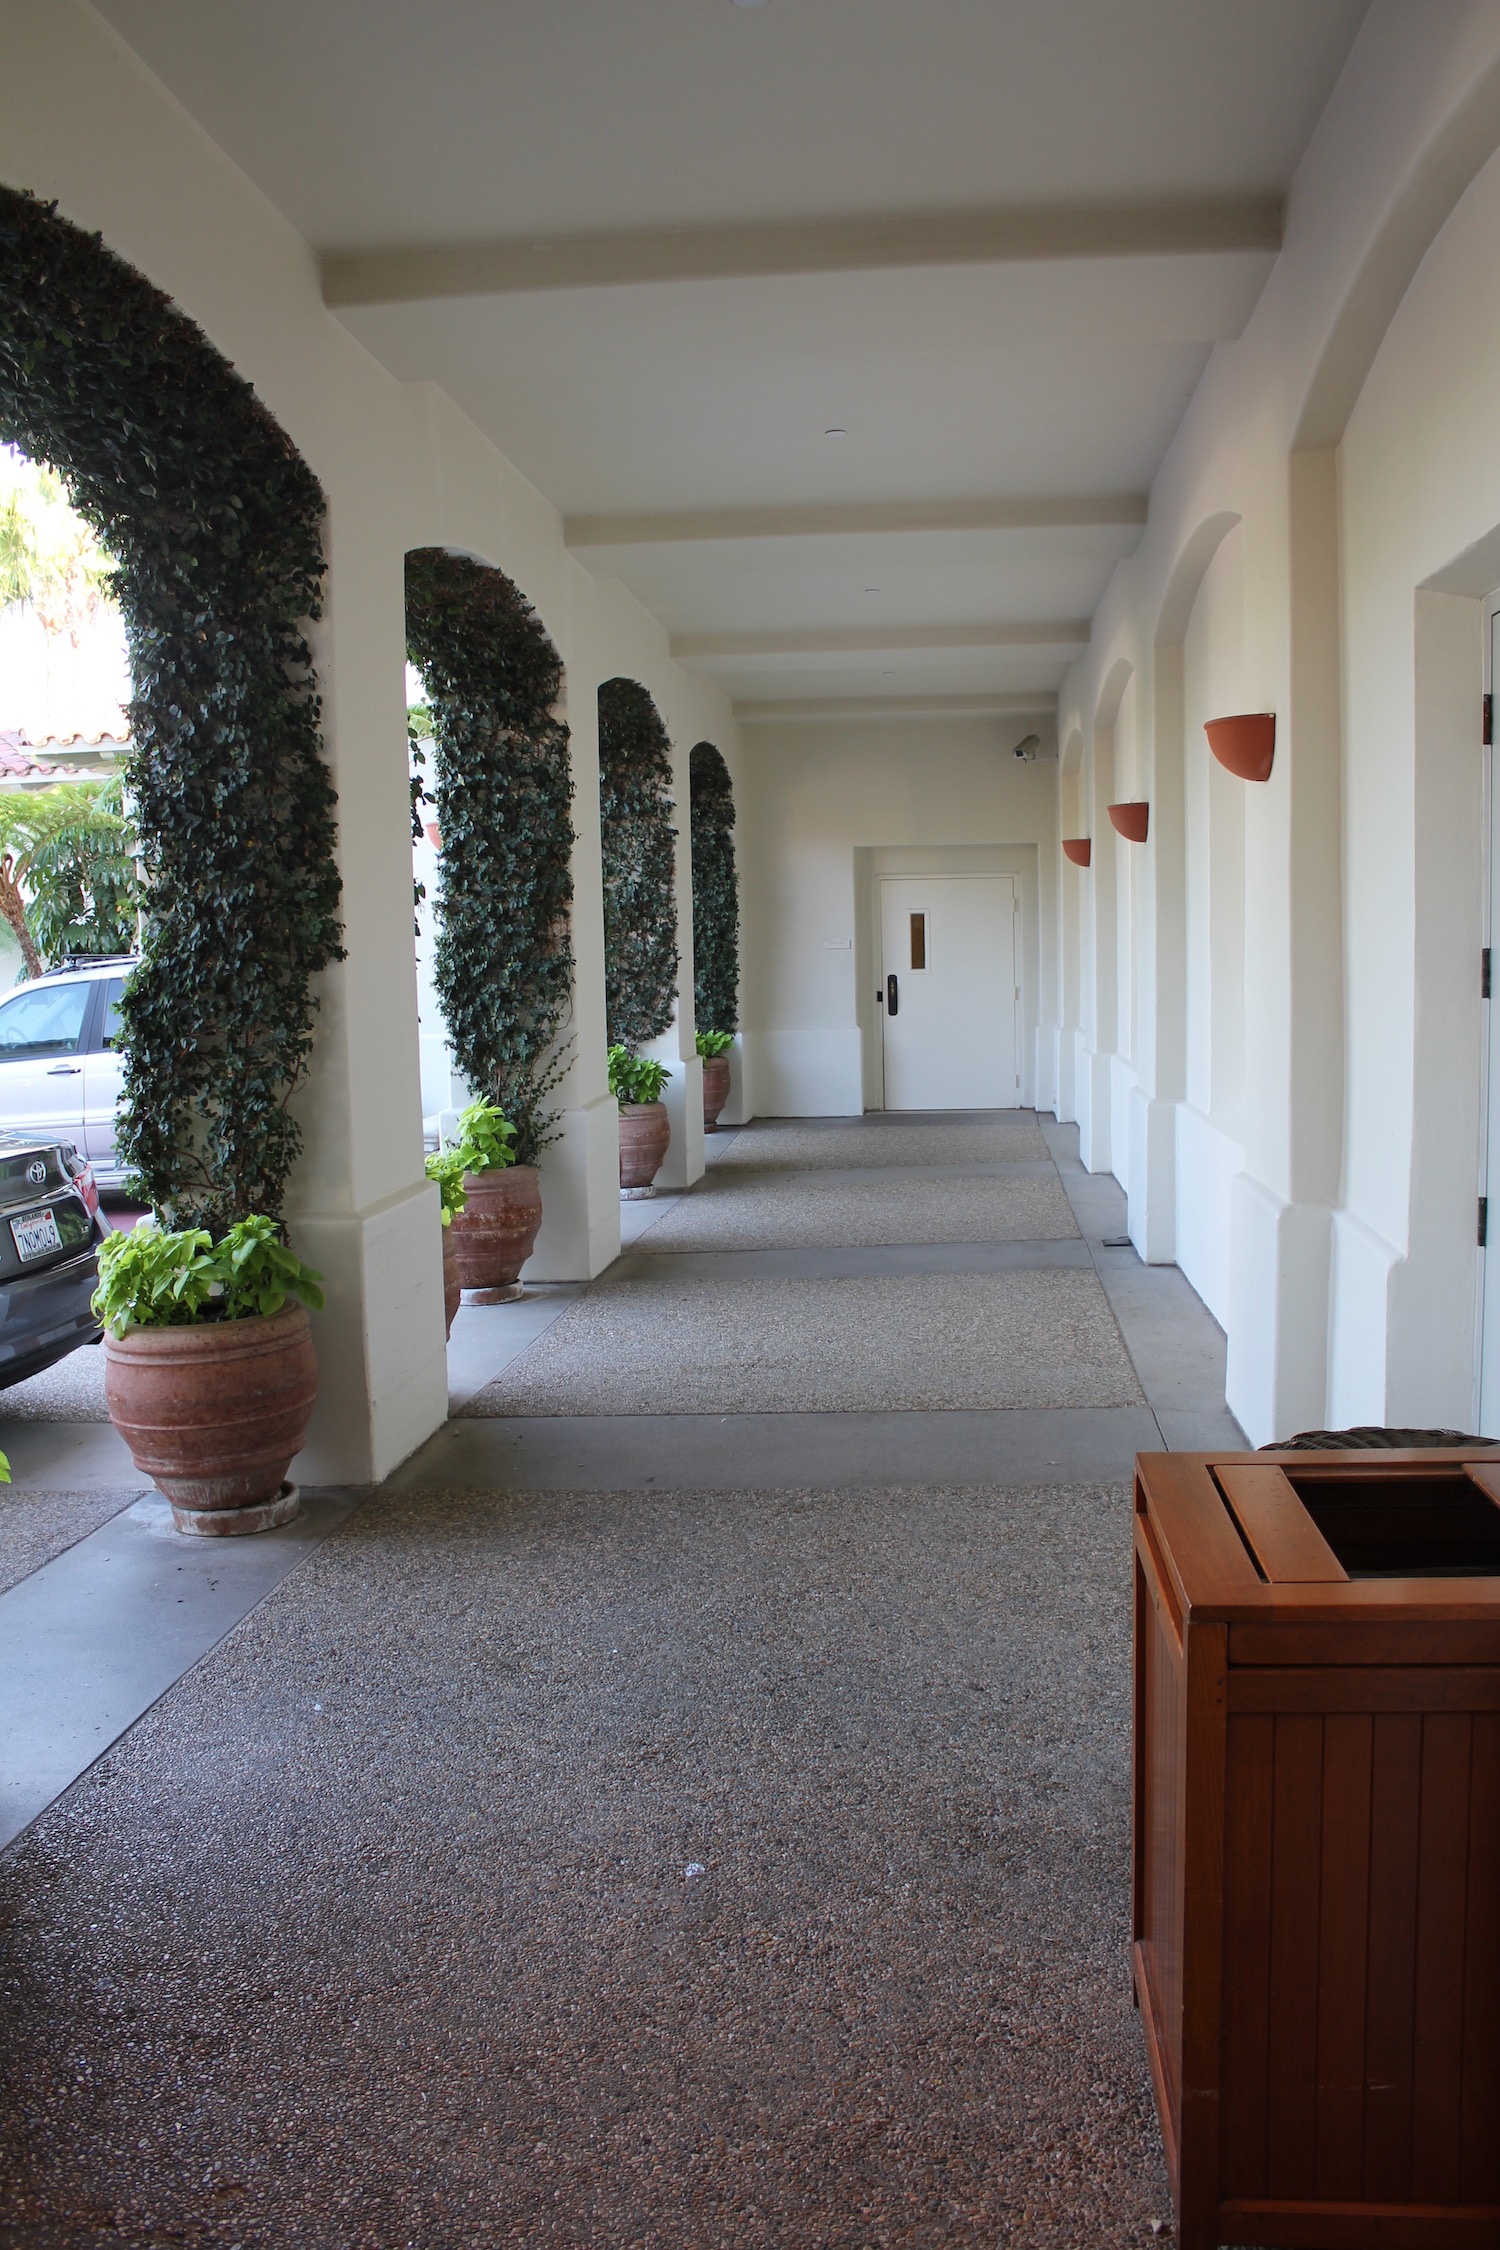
(1489, 1322)
(950, 992)
(42, 1039)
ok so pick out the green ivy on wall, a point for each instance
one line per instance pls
(503, 963)
(637, 837)
(716, 892)
(215, 523)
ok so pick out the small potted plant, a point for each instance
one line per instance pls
(446, 1166)
(645, 1130)
(714, 1048)
(494, 1228)
(209, 1369)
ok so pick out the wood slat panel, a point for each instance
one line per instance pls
(1369, 1687)
(1357, 1640)
(1282, 1535)
(1249, 1777)
(1296, 1851)
(1395, 1813)
(1343, 1927)
(1479, 2164)
(1442, 1902)
(1162, 1873)
(1203, 1548)
(1360, 2226)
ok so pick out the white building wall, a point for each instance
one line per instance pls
(818, 801)
(1327, 1130)
(81, 120)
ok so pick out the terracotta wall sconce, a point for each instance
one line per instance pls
(1244, 746)
(1131, 820)
(1079, 849)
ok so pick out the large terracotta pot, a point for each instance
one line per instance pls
(715, 1090)
(495, 1232)
(213, 1413)
(453, 1288)
(644, 1133)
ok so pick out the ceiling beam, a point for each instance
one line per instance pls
(769, 711)
(859, 517)
(857, 640)
(1019, 234)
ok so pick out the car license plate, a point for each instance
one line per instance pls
(36, 1234)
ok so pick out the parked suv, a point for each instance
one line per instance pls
(60, 1063)
(50, 1231)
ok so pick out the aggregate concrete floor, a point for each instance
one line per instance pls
(655, 1828)
(608, 1869)
(770, 1210)
(804, 1344)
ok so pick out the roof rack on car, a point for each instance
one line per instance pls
(93, 961)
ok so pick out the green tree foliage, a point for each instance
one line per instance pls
(640, 912)
(215, 524)
(503, 962)
(68, 855)
(50, 559)
(716, 892)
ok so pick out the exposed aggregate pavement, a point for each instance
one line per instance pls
(690, 1871)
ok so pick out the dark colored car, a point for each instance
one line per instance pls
(50, 1231)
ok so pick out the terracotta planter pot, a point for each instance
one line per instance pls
(495, 1232)
(644, 1134)
(214, 1413)
(453, 1288)
(715, 1090)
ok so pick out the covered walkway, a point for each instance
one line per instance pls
(688, 1804)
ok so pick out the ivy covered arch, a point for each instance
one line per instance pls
(716, 892)
(215, 523)
(503, 962)
(637, 838)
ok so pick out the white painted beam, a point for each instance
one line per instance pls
(758, 711)
(836, 519)
(700, 649)
(1020, 234)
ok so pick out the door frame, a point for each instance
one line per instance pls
(953, 875)
(871, 862)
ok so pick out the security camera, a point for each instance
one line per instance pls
(1027, 748)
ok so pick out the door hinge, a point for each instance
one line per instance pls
(1484, 1220)
(1484, 972)
(1489, 720)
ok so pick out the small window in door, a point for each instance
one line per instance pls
(919, 941)
(47, 1020)
(110, 1036)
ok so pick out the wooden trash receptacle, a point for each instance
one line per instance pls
(1317, 1843)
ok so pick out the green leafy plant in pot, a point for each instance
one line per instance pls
(446, 1167)
(180, 1312)
(713, 1050)
(492, 1206)
(636, 1081)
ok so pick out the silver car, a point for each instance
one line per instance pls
(60, 1063)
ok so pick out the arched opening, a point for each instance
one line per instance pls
(637, 840)
(215, 525)
(716, 894)
(502, 962)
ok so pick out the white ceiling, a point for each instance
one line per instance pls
(425, 124)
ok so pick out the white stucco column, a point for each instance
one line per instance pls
(359, 1207)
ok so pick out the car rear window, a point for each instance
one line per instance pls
(112, 992)
(46, 1020)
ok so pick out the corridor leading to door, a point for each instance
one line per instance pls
(688, 1804)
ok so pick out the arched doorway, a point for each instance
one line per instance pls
(215, 522)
